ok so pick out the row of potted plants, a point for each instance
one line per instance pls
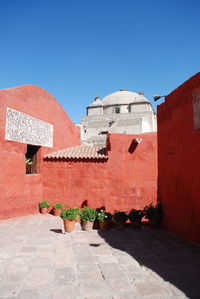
(152, 212)
(87, 216)
(45, 205)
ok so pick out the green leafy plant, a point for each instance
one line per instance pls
(135, 215)
(69, 214)
(78, 211)
(120, 216)
(153, 212)
(58, 206)
(88, 214)
(44, 204)
(104, 216)
(29, 161)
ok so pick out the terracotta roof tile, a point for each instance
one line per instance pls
(80, 152)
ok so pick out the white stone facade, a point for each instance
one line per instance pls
(120, 112)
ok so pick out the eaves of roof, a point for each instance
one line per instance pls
(79, 152)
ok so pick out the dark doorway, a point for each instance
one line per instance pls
(31, 159)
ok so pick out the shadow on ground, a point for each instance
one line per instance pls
(57, 231)
(173, 259)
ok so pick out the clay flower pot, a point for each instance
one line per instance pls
(57, 212)
(68, 225)
(44, 207)
(88, 216)
(104, 225)
(87, 225)
(57, 209)
(120, 225)
(120, 218)
(43, 210)
(69, 217)
(135, 217)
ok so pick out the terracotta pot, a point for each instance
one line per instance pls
(43, 210)
(136, 224)
(57, 212)
(120, 225)
(104, 225)
(68, 225)
(87, 225)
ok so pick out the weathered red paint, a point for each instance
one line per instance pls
(128, 179)
(179, 161)
(20, 193)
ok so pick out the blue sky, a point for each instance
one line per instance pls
(82, 48)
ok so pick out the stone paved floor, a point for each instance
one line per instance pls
(38, 261)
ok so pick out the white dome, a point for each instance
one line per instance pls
(123, 97)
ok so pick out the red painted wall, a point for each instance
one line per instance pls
(20, 193)
(126, 180)
(179, 161)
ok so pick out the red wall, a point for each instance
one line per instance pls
(20, 193)
(126, 180)
(179, 161)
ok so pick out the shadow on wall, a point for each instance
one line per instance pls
(132, 146)
(84, 203)
(175, 260)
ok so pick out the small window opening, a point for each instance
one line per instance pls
(117, 109)
(31, 159)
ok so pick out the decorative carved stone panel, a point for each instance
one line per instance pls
(24, 128)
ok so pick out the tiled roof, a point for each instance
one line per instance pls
(80, 152)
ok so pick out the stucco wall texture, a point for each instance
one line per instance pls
(128, 179)
(20, 193)
(179, 160)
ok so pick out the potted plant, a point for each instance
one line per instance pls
(57, 209)
(87, 216)
(104, 220)
(120, 218)
(135, 216)
(44, 205)
(68, 216)
(153, 212)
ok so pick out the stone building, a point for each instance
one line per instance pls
(119, 112)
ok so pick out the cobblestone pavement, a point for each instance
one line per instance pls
(38, 261)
